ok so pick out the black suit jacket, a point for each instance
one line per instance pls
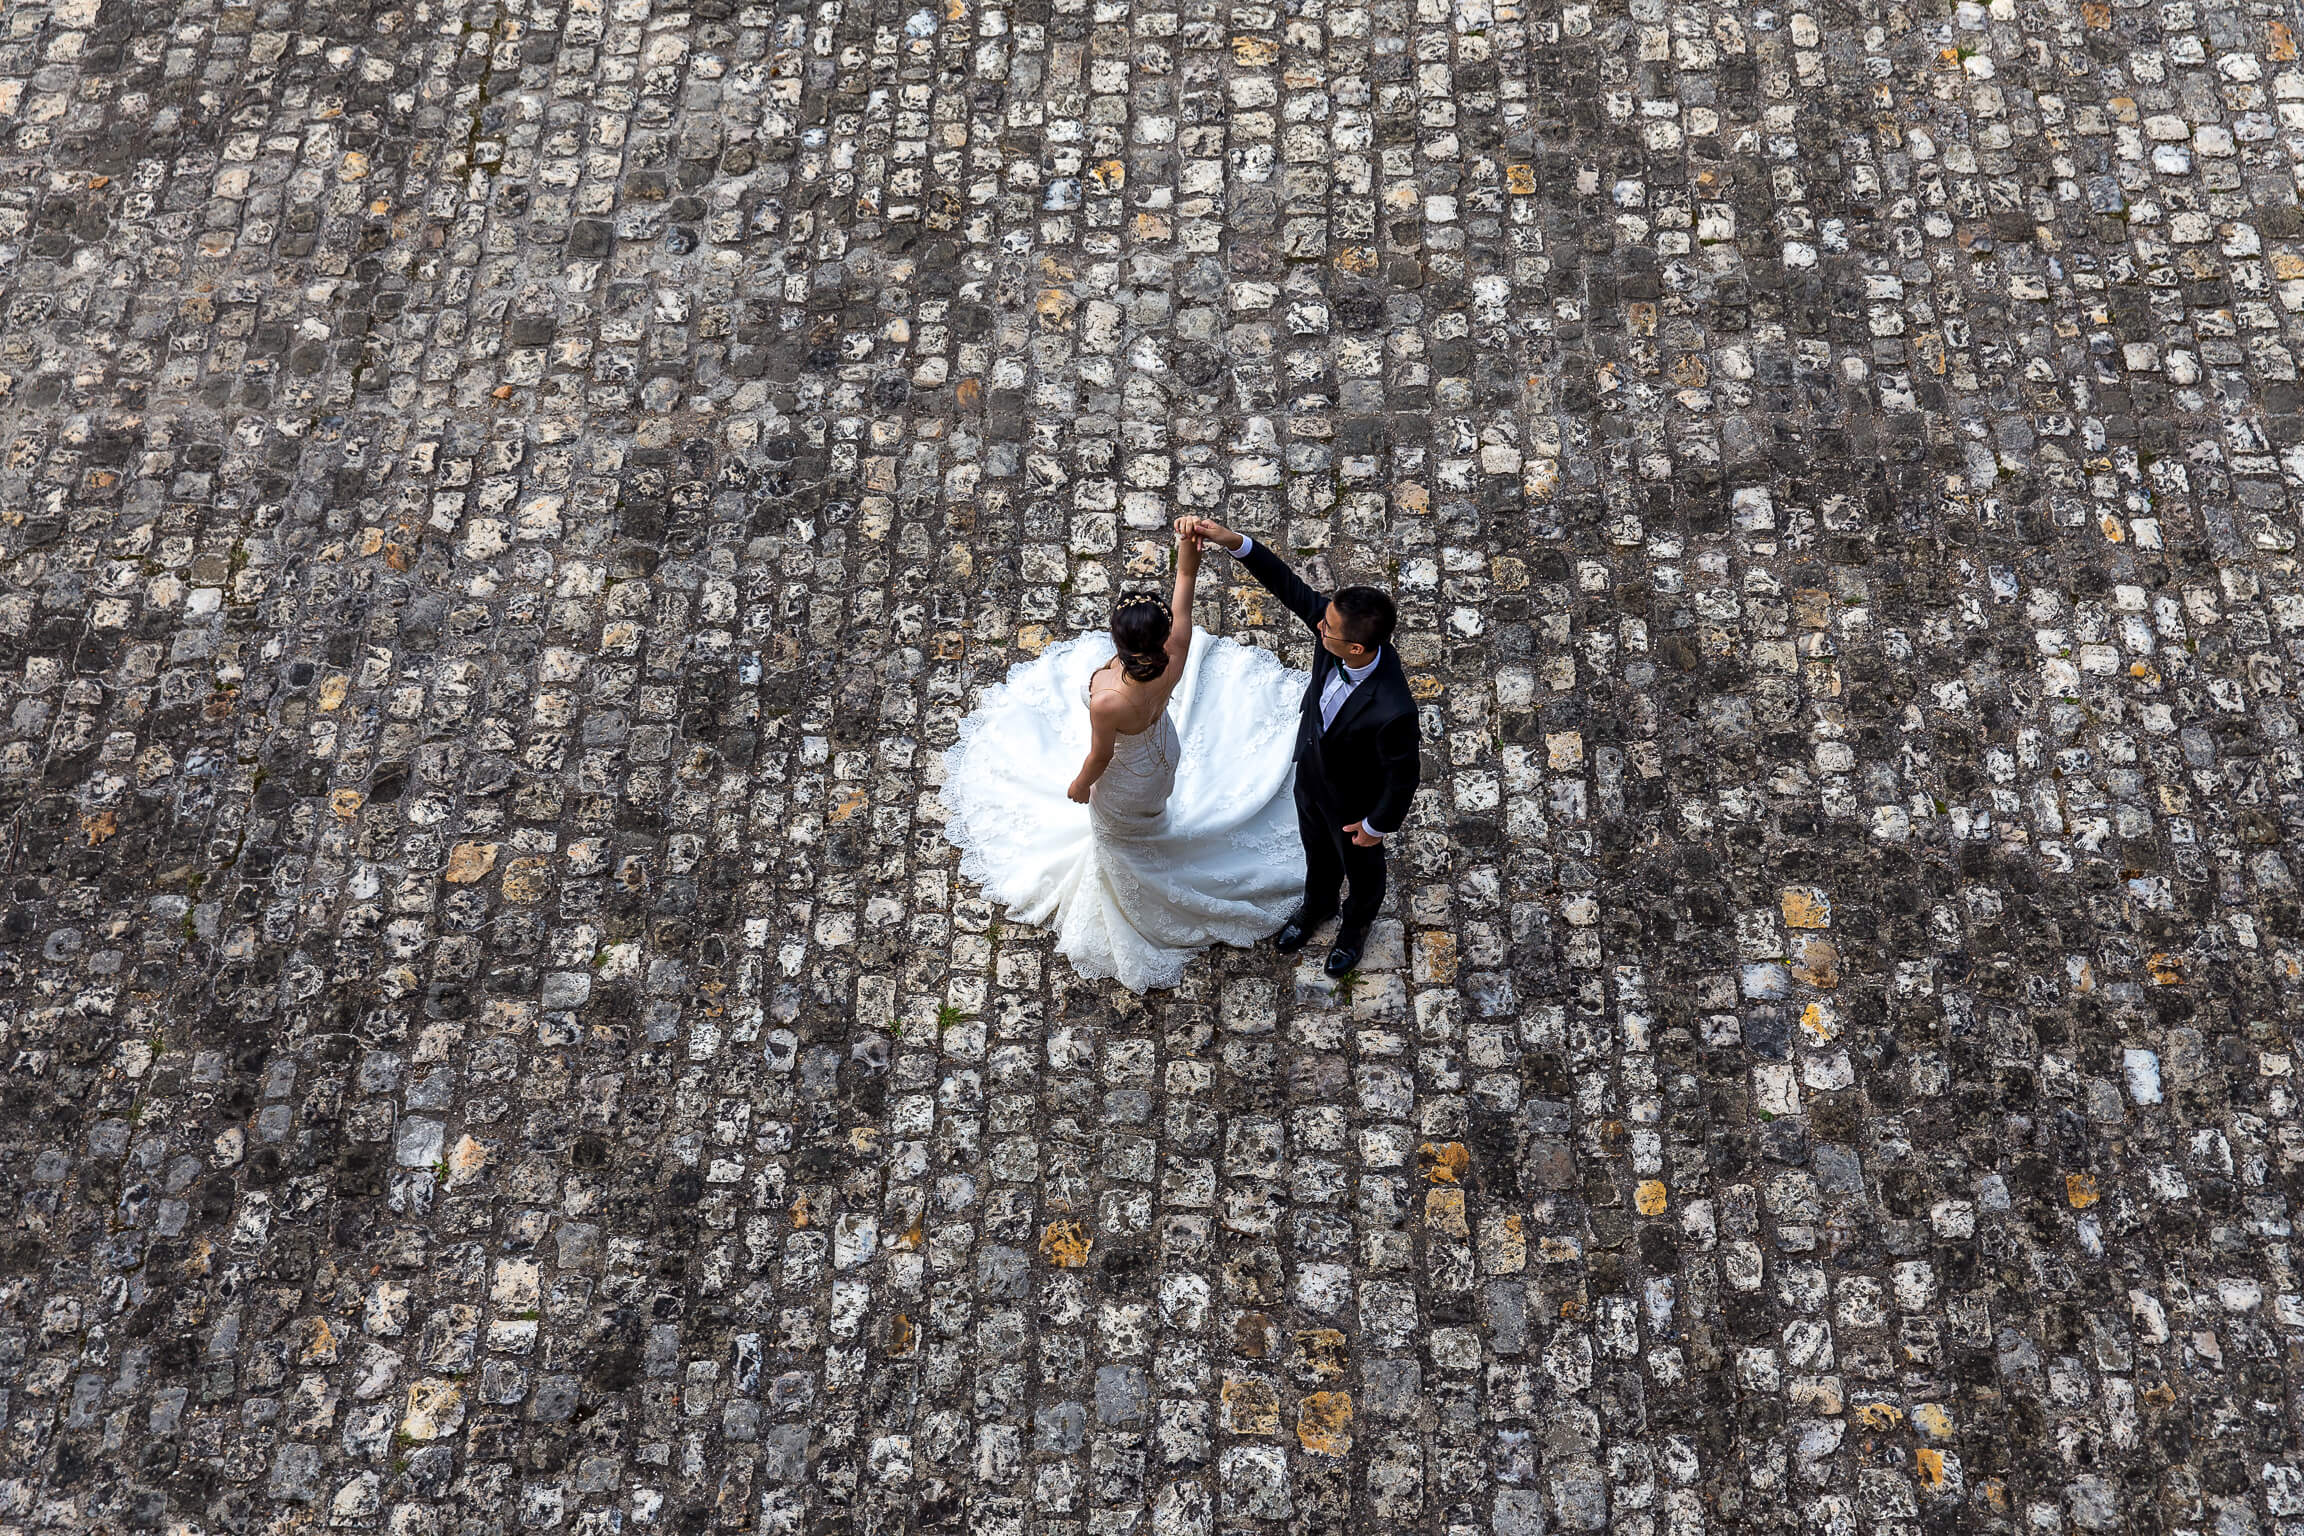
(1366, 765)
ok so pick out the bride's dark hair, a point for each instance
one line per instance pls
(1140, 626)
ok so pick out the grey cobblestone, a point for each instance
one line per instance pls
(502, 505)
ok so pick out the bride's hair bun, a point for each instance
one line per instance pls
(1140, 625)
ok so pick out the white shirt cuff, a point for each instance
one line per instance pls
(1246, 544)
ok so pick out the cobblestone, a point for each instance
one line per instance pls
(503, 503)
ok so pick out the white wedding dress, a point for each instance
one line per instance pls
(1189, 837)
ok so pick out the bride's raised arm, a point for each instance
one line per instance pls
(1180, 605)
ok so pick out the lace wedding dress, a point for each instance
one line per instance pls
(1189, 837)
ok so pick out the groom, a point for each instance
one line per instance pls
(1356, 748)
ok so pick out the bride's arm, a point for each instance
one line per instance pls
(1180, 605)
(1101, 737)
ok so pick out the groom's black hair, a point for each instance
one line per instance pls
(1368, 615)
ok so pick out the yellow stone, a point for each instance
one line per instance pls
(346, 803)
(1254, 52)
(1504, 1248)
(1931, 1420)
(1435, 957)
(1443, 1162)
(1032, 639)
(1564, 751)
(466, 1160)
(1248, 1405)
(317, 1342)
(1324, 1423)
(851, 801)
(355, 166)
(1649, 1197)
(332, 691)
(1520, 180)
(1065, 1244)
(2279, 42)
(435, 1408)
(1822, 1393)
(1444, 1212)
(2080, 1190)
(468, 862)
(527, 879)
(1806, 907)
(1879, 1415)
(1931, 1465)
(1317, 1354)
(1820, 1022)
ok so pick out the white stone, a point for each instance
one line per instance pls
(2142, 1069)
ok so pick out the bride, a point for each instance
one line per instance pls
(1132, 791)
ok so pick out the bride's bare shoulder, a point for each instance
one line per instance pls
(1107, 700)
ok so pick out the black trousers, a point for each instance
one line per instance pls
(1331, 859)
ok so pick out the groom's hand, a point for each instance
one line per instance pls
(1362, 837)
(1211, 530)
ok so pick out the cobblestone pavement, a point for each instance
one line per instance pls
(504, 502)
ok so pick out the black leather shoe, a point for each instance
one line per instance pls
(1345, 957)
(1295, 933)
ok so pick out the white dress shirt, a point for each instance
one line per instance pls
(1341, 679)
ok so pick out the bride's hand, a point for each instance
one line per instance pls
(1077, 792)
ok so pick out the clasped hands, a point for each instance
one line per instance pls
(1206, 530)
